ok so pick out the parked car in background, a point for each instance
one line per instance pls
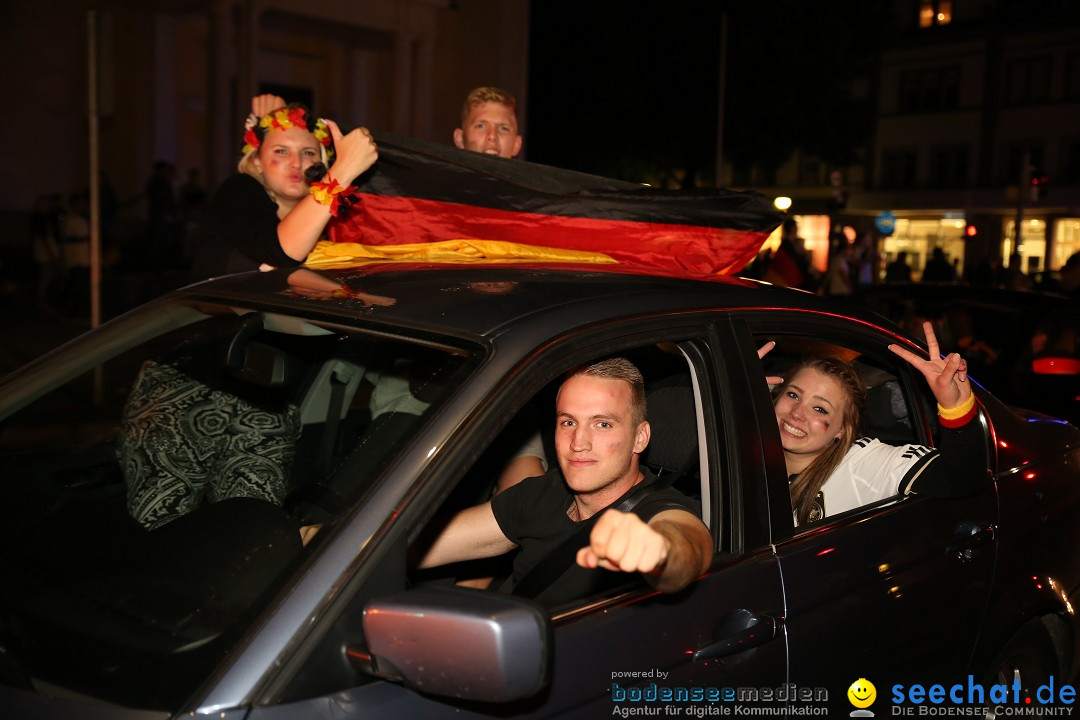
(1023, 346)
(222, 611)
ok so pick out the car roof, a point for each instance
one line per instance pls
(484, 299)
(949, 293)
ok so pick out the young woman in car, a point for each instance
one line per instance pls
(272, 213)
(831, 468)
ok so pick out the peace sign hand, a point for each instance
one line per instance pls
(947, 377)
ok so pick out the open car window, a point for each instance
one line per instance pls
(156, 483)
(897, 413)
(674, 455)
(891, 413)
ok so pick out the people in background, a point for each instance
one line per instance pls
(938, 268)
(1013, 276)
(1070, 276)
(46, 234)
(838, 278)
(790, 265)
(865, 261)
(898, 271)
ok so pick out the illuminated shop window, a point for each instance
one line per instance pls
(1032, 245)
(814, 230)
(1066, 241)
(918, 237)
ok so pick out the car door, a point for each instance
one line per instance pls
(618, 651)
(893, 592)
(724, 632)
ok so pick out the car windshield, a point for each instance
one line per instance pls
(162, 479)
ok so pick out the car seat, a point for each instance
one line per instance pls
(672, 453)
(887, 414)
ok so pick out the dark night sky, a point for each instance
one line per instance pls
(605, 80)
(630, 90)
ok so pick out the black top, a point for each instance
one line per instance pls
(239, 232)
(962, 469)
(533, 515)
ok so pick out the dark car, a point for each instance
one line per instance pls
(223, 612)
(1023, 346)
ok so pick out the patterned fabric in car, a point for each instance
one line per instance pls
(183, 443)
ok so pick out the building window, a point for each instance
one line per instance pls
(929, 89)
(949, 167)
(935, 12)
(1072, 80)
(1070, 162)
(1015, 172)
(898, 169)
(1028, 81)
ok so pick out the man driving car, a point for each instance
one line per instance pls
(601, 430)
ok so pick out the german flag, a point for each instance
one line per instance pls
(423, 201)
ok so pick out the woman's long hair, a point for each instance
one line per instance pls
(806, 486)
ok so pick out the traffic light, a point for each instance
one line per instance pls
(1039, 187)
(970, 230)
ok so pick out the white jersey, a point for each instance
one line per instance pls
(871, 471)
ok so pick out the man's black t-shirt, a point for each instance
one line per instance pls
(533, 515)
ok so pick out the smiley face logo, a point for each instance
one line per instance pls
(862, 693)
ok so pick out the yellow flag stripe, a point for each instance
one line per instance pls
(336, 255)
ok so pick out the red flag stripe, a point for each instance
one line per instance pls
(392, 220)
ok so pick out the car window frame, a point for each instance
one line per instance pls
(583, 346)
(511, 386)
(125, 337)
(865, 338)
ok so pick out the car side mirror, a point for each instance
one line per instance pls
(456, 642)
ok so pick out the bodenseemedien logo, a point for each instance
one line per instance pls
(862, 694)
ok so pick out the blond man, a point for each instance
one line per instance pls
(489, 123)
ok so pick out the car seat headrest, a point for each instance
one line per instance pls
(673, 420)
(887, 414)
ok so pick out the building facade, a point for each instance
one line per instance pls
(174, 79)
(976, 141)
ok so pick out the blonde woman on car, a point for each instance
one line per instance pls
(296, 173)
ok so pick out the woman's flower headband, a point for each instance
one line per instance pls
(255, 129)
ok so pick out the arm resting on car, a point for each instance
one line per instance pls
(671, 550)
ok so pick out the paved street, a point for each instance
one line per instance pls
(26, 332)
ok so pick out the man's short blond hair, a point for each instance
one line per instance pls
(618, 368)
(486, 94)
